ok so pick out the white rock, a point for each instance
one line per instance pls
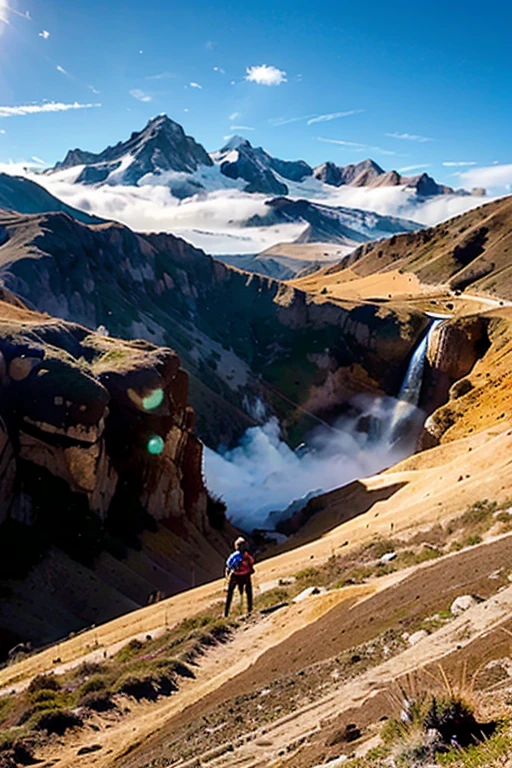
(461, 604)
(417, 636)
(388, 557)
(309, 592)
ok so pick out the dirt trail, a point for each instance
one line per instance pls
(265, 745)
(215, 670)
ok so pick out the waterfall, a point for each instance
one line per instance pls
(406, 413)
(411, 387)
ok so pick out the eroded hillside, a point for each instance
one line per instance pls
(470, 252)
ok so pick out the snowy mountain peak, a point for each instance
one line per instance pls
(161, 146)
(235, 142)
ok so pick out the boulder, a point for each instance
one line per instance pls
(416, 637)
(463, 603)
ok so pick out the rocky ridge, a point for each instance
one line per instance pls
(163, 147)
(471, 251)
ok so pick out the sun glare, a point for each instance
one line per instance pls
(3, 16)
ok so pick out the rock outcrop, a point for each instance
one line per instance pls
(89, 423)
(101, 480)
(361, 174)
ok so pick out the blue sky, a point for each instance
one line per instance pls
(407, 83)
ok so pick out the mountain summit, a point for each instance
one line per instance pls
(238, 159)
(161, 146)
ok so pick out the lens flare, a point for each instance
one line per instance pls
(155, 445)
(153, 400)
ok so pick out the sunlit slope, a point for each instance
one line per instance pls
(472, 251)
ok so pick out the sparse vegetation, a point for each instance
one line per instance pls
(142, 669)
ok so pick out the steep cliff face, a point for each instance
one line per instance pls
(97, 444)
(468, 376)
(103, 415)
(240, 336)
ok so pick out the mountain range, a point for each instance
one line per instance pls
(162, 152)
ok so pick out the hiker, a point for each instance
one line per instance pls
(239, 567)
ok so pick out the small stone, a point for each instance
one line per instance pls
(416, 637)
(388, 557)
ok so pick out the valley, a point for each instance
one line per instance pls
(344, 397)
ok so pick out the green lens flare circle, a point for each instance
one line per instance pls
(155, 445)
(153, 400)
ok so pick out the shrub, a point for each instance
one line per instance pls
(44, 683)
(453, 720)
(56, 721)
(88, 668)
(6, 705)
(98, 702)
(141, 686)
(129, 650)
(93, 685)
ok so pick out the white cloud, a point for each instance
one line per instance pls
(356, 146)
(140, 95)
(409, 137)
(44, 34)
(195, 85)
(277, 121)
(219, 70)
(50, 106)
(499, 176)
(458, 163)
(160, 76)
(333, 116)
(61, 70)
(234, 116)
(263, 74)
(240, 128)
(37, 160)
(93, 89)
(2, 132)
(414, 167)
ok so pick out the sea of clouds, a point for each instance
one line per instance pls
(214, 219)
